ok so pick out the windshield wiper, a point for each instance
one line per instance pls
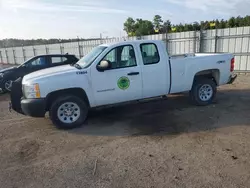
(76, 66)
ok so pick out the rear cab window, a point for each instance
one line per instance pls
(150, 53)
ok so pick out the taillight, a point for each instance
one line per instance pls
(232, 65)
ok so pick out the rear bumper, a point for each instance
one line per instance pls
(34, 107)
(232, 79)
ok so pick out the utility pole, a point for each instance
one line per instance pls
(79, 47)
(24, 56)
(216, 38)
(101, 37)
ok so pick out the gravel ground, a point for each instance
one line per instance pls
(167, 143)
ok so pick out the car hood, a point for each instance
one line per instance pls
(7, 69)
(48, 72)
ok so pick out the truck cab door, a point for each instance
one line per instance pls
(156, 71)
(122, 81)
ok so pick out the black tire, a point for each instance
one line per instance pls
(73, 99)
(194, 93)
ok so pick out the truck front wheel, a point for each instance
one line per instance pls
(203, 91)
(68, 112)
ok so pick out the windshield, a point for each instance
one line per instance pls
(88, 59)
(23, 64)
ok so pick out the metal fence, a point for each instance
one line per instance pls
(233, 40)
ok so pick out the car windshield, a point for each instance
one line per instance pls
(23, 64)
(88, 59)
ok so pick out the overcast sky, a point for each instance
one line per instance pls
(88, 18)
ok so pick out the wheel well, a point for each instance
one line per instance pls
(213, 74)
(72, 91)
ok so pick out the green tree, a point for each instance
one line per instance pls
(239, 22)
(231, 22)
(180, 28)
(205, 25)
(188, 27)
(222, 24)
(143, 27)
(129, 26)
(217, 23)
(157, 21)
(247, 21)
(166, 26)
(196, 26)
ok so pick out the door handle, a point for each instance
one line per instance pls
(133, 73)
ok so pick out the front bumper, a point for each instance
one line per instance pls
(232, 79)
(34, 107)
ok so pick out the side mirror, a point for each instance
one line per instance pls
(103, 65)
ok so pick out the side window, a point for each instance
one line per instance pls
(111, 56)
(125, 53)
(150, 54)
(58, 60)
(40, 61)
(121, 57)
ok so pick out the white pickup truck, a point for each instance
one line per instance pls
(121, 72)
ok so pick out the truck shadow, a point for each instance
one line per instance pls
(172, 116)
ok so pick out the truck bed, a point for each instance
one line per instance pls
(188, 55)
(185, 67)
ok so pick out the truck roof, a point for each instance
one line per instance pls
(129, 42)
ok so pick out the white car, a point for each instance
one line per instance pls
(122, 72)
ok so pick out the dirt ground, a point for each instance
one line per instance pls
(167, 143)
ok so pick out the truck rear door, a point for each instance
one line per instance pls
(155, 70)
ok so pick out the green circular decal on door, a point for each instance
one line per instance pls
(123, 83)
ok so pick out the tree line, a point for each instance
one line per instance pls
(5, 43)
(140, 27)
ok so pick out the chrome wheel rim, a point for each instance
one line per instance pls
(205, 92)
(68, 112)
(8, 85)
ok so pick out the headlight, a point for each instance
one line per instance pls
(31, 91)
(1, 75)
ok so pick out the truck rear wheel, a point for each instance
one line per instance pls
(203, 91)
(68, 112)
